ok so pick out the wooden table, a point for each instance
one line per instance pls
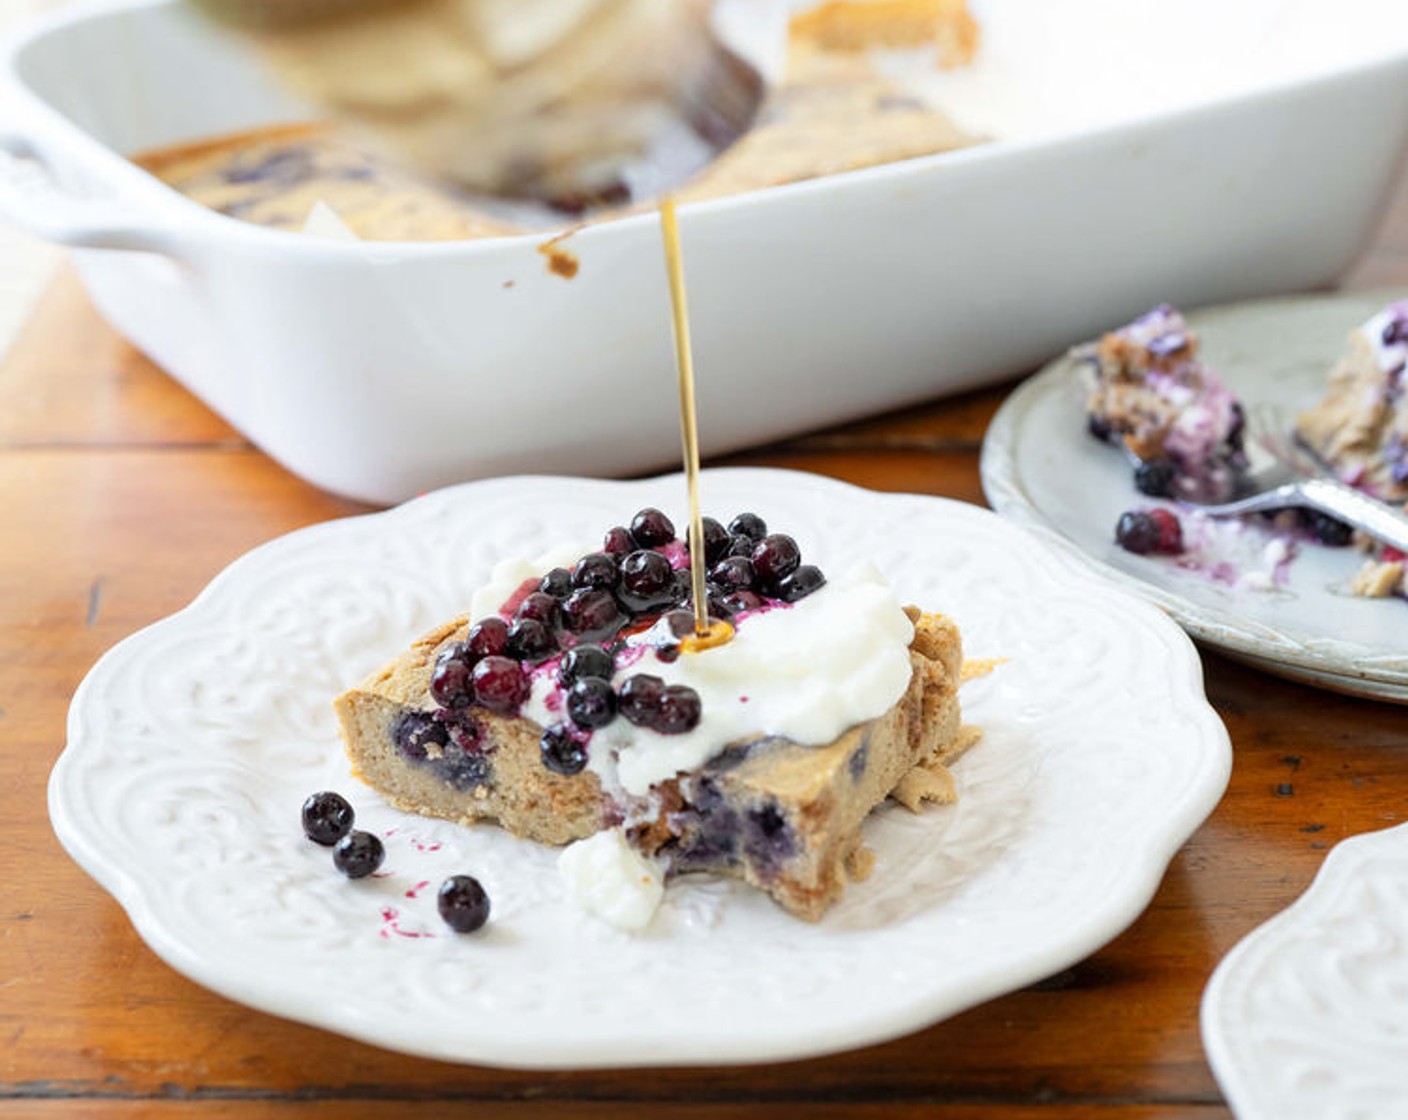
(123, 496)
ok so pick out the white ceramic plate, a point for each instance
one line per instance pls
(193, 743)
(1307, 1018)
(1042, 470)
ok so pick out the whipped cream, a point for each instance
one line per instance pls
(805, 672)
(606, 877)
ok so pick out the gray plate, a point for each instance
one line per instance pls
(1040, 469)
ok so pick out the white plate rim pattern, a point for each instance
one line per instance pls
(1326, 662)
(120, 731)
(1306, 1016)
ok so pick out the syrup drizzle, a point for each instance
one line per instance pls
(706, 635)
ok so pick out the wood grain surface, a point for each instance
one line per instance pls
(124, 496)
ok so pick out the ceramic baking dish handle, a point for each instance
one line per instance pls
(32, 199)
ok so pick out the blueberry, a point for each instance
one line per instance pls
(1143, 532)
(500, 684)
(801, 583)
(716, 540)
(529, 640)
(679, 710)
(1099, 427)
(358, 854)
(748, 525)
(591, 702)
(647, 581)
(451, 685)
(1137, 532)
(540, 607)
(414, 732)
(736, 602)
(1155, 477)
(486, 638)
(618, 541)
(585, 661)
(733, 573)
(596, 569)
(327, 817)
(1237, 429)
(651, 528)
(592, 613)
(740, 546)
(639, 699)
(557, 583)
(561, 751)
(1329, 530)
(775, 557)
(462, 903)
(1395, 332)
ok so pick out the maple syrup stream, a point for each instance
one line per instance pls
(706, 634)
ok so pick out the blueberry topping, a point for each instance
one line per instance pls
(618, 541)
(748, 525)
(596, 569)
(584, 661)
(639, 700)
(462, 903)
(592, 613)
(733, 573)
(1395, 332)
(327, 817)
(1146, 531)
(358, 854)
(414, 732)
(775, 557)
(591, 703)
(647, 581)
(529, 640)
(557, 583)
(561, 751)
(741, 546)
(679, 710)
(451, 685)
(1155, 477)
(650, 528)
(540, 607)
(485, 638)
(500, 684)
(801, 583)
(1099, 427)
(736, 602)
(716, 540)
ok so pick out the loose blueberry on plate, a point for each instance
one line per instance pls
(463, 903)
(1149, 531)
(327, 817)
(1155, 477)
(358, 854)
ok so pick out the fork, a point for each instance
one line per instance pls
(1282, 473)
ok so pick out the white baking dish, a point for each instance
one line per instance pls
(381, 370)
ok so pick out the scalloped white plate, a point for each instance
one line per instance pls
(1307, 1018)
(1042, 471)
(193, 743)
